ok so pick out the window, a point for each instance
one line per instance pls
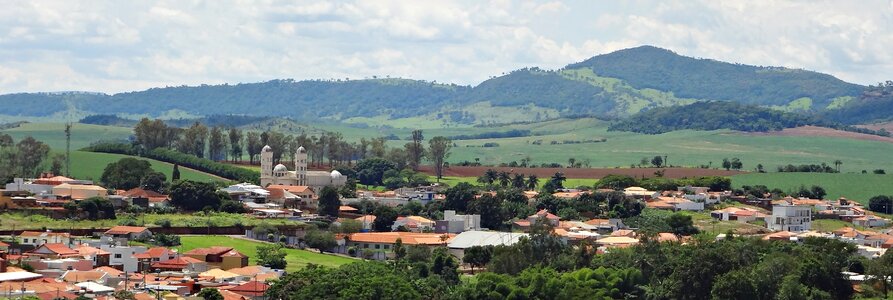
(386, 247)
(117, 255)
(377, 246)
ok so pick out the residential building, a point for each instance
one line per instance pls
(121, 235)
(413, 224)
(740, 214)
(456, 223)
(51, 250)
(606, 226)
(468, 239)
(870, 221)
(246, 192)
(640, 193)
(37, 238)
(225, 257)
(180, 264)
(380, 245)
(80, 191)
(152, 198)
(296, 196)
(122, 257)
(787, 216)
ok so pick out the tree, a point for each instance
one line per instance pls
(217, 144)
(818, 192)
(518, 181)
(153, 134)
(458, 197)
(153, 181)
(736, 164)
(254, 145)
(194, 140)
(837, 164)
(321, 240)
(532, 182)
(235, 144)
(616, 182)
(558, 180)
(97, 208)
(57, 164)
(175, 175)
(271, 256)
(233, 207)
(194, 196)
(439, 151)
(371, 171)
(384, 218)
(30, 155)
(490, 209)
(399, 250)
(415, 149)
(681, 224)
(477, 256)
(881, 204)
(657, 161)
(6, 140)
(726, 164)
(349, 226)
(126, 173)
(329, 201)
(210, 294)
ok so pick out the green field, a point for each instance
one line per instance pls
(569, 183)
(296, 258)
(82, 135)
(857, 187)
(89, 165)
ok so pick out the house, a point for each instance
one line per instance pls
(75, 276)
(306, 196)
(246, 192)
(37, 238)
(366, 221)
(675, 204)
(51, 250)
(783, 235)
(414, 224)
(251, 289)
(80, 191)
(258, 273)
(567, 194)
(379, 245)
(120, 235)
(218, 275)
(870, 221)
(153, 198)
(226, 257)
(640, 193)
(616, 241)
(123, 257)
(180, 264)
(100, 257)
(740, 214)
(787, 216)
(145, 259)
(468, 239)
(606, 226)
(531, 220)
(456, 223)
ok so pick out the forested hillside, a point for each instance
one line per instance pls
(612, 85)
(710, 116)
(875, 105)
(661, 69)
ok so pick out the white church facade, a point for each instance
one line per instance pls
(280, 175)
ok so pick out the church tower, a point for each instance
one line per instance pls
(266, 162)
(301, 166)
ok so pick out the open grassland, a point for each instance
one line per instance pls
(853, 186)
(53, 134)
(89, 165)
(18, 221)
(295, 258)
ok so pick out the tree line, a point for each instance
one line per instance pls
(27, 158)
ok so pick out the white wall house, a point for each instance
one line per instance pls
(37, 238)
(790, 217)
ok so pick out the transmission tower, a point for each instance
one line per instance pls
(68, 149)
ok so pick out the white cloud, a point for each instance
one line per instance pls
(120, 46)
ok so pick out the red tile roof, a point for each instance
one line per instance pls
(177, 263)
(291, 188)
(43, 233)
(408, 238)
(126, 230)
(234, 253)
(251, 289)
(346, 208)
(216, 250)
(59, 249)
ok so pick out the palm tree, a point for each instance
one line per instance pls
(837, 164)
(504, 179)
(571, 162)
(491, 176)
(518, 181)
(558, 179)
(532, 182)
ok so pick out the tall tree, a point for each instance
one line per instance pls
(175, 175)
(126, 173)
(153, 134)
(194, 140)
(384, 218)
(194, 196)
(57, 164)
(235, 144)
(217, 144)
(254, 146)
(439, 150)
(329, 202)
(532, 182)
(415, 149)
(31, 154)
(153, 181)
(5, 140)
(657, 161)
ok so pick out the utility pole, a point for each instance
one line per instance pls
(68, 149)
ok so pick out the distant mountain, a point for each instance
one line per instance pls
(711, 116)
(618, 84)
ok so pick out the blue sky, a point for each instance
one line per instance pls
(120, 46)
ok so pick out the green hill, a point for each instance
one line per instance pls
(711, 116)
(611, 85)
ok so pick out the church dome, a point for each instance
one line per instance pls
(280, 168)
(335, 174)
(266, 148)
(302, 150)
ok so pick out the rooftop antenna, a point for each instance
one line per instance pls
(68, 149)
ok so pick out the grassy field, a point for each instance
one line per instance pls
(296, 258)
(570, 182)
(18, 221)
(53, 134)
(857, 187)
(89, 165)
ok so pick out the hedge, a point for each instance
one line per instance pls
(185, 160)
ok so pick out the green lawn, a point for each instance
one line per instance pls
(853, 186)
(89, 165)
(9, 221)
(828, 225)
(296, 258)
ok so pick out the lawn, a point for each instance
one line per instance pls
(296, 259)
(18, 221)
(829, 225)
(853, 186)
(89, 165)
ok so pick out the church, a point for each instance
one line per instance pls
(280, 175)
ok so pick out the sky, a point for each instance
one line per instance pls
(119, 46)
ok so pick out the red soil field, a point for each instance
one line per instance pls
(593, 173)
(825, 132)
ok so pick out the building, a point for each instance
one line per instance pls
(790, 217)
(414, 224)
(122, 257)
(181, 264)
(121, 235)
(80, 191)
(152, 198)
(455, 223)
(301, 176)
(246, 192)
(468, 239)
(51, 250)
(37, 238)
(380, 245)
(296, 196)
(225, 257)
